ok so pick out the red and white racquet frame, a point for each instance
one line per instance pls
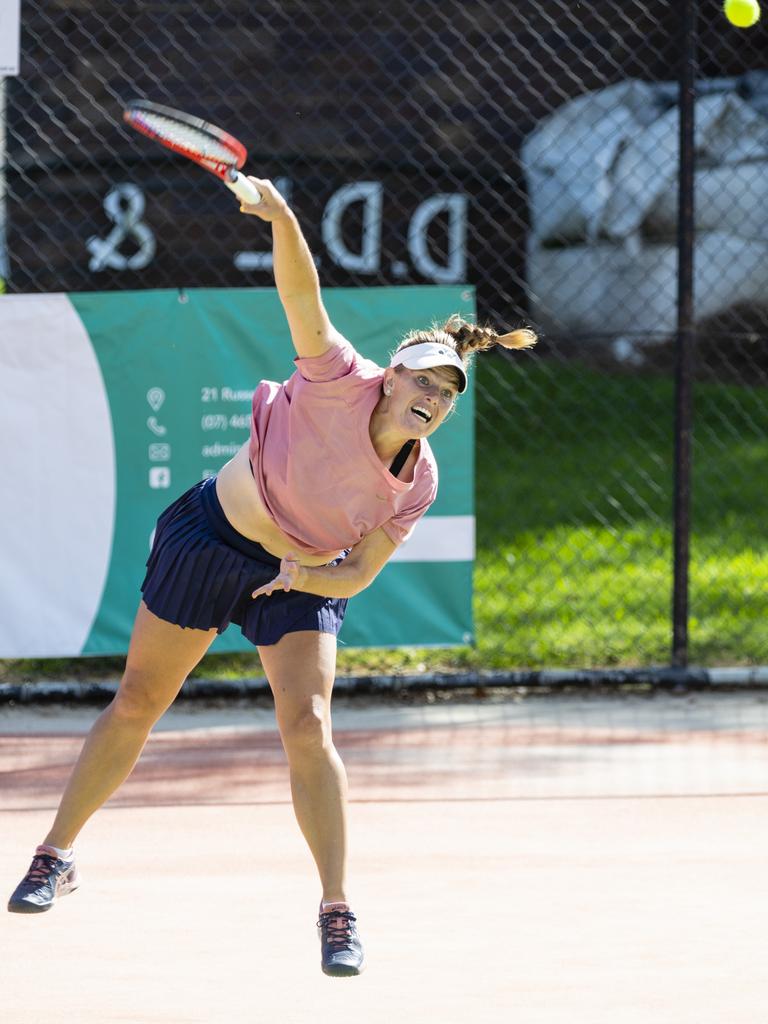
(205, 144)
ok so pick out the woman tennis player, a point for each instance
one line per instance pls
(335, 475)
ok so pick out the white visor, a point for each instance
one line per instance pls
(427, 354)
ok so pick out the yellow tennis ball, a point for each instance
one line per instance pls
(742, 13)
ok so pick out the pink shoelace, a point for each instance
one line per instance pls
(40, 867)
(337, 926)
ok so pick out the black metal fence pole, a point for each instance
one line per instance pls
(685, 337)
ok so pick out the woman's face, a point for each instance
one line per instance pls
(421, 399)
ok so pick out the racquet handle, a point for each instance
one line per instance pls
(245, 190)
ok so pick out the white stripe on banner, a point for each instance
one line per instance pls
(439, 539)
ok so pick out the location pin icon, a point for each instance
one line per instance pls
(155, 397)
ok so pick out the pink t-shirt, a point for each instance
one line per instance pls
(317, 471)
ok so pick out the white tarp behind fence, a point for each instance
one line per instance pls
(602, 183)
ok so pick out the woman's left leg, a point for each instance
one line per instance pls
(301, 668)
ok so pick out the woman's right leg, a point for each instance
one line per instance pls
(160, 657)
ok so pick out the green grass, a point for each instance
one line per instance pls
(574, 508)
(574, 505)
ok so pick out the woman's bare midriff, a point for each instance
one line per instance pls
(242, 505)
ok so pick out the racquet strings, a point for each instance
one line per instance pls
(185, 137)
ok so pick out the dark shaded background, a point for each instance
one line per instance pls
(424, 97)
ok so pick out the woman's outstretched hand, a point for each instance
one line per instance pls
(272, 205)
(286, 579)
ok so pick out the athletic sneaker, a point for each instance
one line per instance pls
(48, 878)
(342, 951)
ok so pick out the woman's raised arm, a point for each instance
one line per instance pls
(295, 274)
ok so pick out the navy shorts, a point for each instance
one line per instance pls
(201, 573)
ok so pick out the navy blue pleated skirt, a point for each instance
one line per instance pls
(201, 573)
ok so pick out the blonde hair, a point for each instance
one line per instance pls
(466, 338)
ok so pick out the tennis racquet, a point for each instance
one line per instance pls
(210, 147)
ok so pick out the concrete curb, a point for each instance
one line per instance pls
(66, 691)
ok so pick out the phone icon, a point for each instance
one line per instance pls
(156, 427)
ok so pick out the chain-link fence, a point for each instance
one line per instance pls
(530, 149)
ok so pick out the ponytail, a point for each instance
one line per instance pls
(470, 338)
(466, 338)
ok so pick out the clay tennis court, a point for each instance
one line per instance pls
(560, 860)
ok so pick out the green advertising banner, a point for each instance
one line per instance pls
(118, 402)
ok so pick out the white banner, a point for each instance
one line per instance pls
(59, 475)
(10, 30)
